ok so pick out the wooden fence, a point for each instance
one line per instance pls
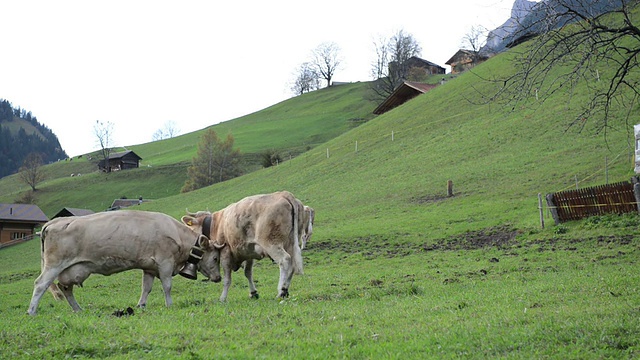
(615, 198)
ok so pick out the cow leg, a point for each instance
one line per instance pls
(147, 284)
(283, 259)
(227, 268)
(41, 285)
(165, 275)
(248, 272)
(68, 294)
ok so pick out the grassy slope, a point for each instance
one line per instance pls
(290, 127)
(498, 161)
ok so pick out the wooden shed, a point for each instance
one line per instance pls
(120, 161)
(18, 221)
(403, 93)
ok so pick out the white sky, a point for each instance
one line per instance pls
(140, 64)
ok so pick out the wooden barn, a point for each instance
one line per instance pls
(120, 161)
(464, 59)
(18, 221)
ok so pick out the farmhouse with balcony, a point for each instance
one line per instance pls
(465, 59)
(18, 221)
(120, 161)
(418, 68)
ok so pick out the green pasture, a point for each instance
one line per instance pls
(524, 298)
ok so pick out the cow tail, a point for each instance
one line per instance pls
(297, 252)
(53, 288)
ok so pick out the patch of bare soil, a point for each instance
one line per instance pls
(497, 237)
(372, 246)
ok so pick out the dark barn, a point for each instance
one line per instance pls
(120, 161)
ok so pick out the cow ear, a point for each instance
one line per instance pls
(189, 220)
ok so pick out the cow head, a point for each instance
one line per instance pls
(209, 265)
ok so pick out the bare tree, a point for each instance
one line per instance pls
(306, 79)
(391, 67)
(474, 40)
(31, 171)
(104, 134)
(169, 130)
(326, 59)
(574, 42)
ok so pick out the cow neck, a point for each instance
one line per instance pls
(206, 226)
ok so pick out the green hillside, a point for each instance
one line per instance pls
(498, 159)
(290, 127)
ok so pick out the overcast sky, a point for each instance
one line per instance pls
(140, 64)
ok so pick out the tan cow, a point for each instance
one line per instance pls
(250, 229)
(110, 242)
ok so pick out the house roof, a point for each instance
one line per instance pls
(72, 212)
(120, 155)
(403, 93)
(22, 213)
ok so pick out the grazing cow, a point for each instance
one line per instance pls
(250, 229)
(110, 242)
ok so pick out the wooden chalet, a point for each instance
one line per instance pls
(120, 161)
(18, 221)
(465, 59)
(66, 212)
(403, 93)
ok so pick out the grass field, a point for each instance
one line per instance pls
(467, 297)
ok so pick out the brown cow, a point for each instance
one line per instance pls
(250, 229)
(110, 242)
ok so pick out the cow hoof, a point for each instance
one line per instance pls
(254, 295)
(142, 306)
(284, 293)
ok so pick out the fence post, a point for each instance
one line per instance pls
(541, 210)
(554, 210)
(449, 188)
(356, 145)
(327, 153)
(391, 135)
